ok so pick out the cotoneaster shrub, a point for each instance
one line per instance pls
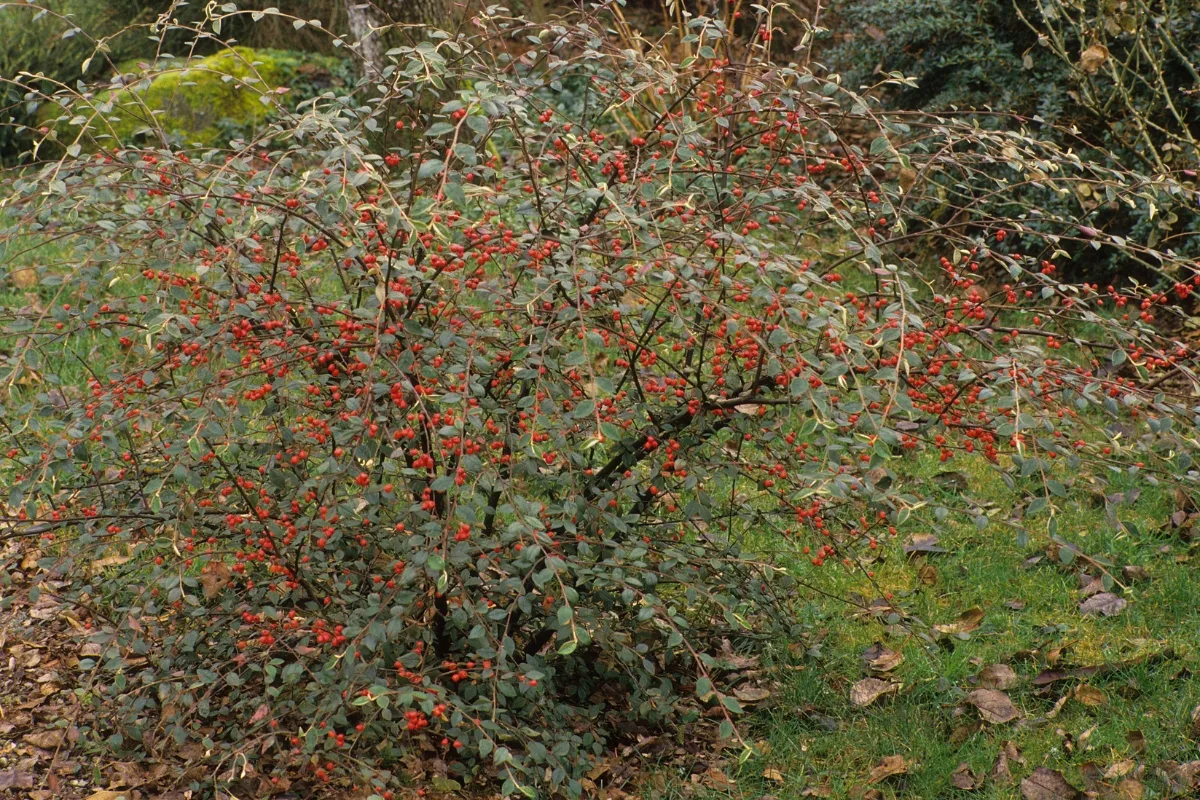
(444, 432)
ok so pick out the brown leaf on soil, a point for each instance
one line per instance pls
(868, 690)
(967, 621)
(1136, 741)
(879, 658)
(997, 676)
(15, 779)
(125, 775)
(1104, 604)
(963, 778)
(927, 574)
(1047, 784)
(889, 766)
(1090, 695)
(260, 713)
(993, 706)
(46, 740)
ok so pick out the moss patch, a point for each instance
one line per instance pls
(211, 100)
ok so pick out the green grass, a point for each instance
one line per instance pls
(1149, 652)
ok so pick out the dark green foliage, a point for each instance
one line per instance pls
(964, 55)
(1115, 81)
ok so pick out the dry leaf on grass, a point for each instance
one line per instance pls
(1001, 772)
(1129, 789)
(1105, 604)
(993, 706)
(1047, 784)
(1090, 695)
(1135, 574)
(868, 690)
(1180, 778)
(751, 694)
(1058, 706)
(997, 676)
(963, 778)
(889, 766)
(923, 544)
(967, 621)
(773, 775)
(879, 658)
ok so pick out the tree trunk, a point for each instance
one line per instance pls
(370, 41)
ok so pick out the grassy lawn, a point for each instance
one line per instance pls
(816, 742)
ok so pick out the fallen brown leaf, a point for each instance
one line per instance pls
(260, 713)
(967, 621)
(997, 676)
(1180, 778)
(1090, 695)
(1135, 574)
(1058, 706)
(1047, 784)
(46, 740)
(15, 779)
(889, 766)
(1001, 773)
(1104, 604)
(1129, 789)
(923, 544)
(993, 706)
(773, 775)
(963, 778)
(868, 690)
(878, 658)
(751, 694)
